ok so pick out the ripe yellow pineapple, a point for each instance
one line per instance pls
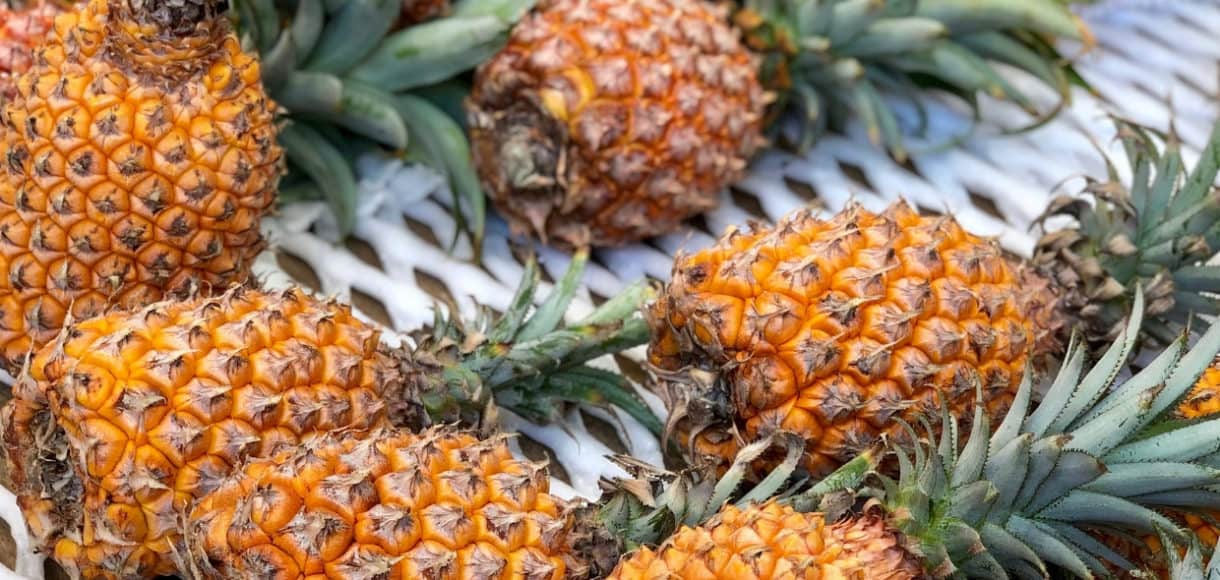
(440, 504)
(129, 417)
(834, 329)
(606, 121)
(22, 29)
(140, 153)
(837, 327)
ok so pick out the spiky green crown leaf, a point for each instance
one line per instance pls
(826, 58)
(1197, 563)
(527, 360)
(352, 83)
(1155, 234)
(1022, 497)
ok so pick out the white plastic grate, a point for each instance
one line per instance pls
(1155, 60)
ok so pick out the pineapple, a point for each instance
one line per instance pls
(128, 418)
(22, 29)
(1014, 501)
(390, 505)
(140, 156)
(375, 75)
(839, 328)
(607, 121)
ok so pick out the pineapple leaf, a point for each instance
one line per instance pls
(325, 165)
(1055, 400)
(306, 28)
(1129, 479)
(354, 32)
(445, 144)
(369, 112)
(1149, 377)
(431, 52)
(1187, 443)
(548, 316)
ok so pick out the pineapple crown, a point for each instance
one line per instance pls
(351, 80)
(1155, 234)
(828, 57)
(174, 17)
(1093, 455)
(527, 360)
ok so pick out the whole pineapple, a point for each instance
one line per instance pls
(129, 417)
(140, 154)
(440, 504)
(1014, 501)
(607, 121)
(22, 28)
(836, 328)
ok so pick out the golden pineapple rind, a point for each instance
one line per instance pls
(774, 541)
(835, 328)
(440, 504)
(132, 172)
(158, 406)
(21, 30)
(606, 122)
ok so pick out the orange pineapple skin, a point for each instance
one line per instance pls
(441, 504)
(137, 166)
(21, 30)
(1203, 400)
(835, 328)
(139, 414)
(604, 122)
(771, 541)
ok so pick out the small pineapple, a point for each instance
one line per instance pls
(607, 121)
(836, 328)
(128, 418)
(140, 156)
(440, 504)
(21, 30)
(1013, 501)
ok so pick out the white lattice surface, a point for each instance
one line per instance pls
(1155, 60)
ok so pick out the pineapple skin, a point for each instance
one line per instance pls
(21, 30)
(139, 160)
(603, 122)
(1203, 401)
(441, 504)
(129, 418)
(834, 329)
(774, 541)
